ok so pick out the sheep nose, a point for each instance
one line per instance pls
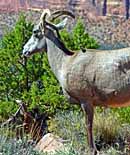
(25, 52)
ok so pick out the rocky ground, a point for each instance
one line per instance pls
(110, 32)
(8, 20)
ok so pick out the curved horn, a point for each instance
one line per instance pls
(62, 24)
(54, 15)
(43, 17)
(59, 13)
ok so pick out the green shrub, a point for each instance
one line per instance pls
(32, 79)
(7, 108)
(12, 72)
(78, 38)
(124, 114)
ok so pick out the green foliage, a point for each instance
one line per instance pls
(32, 79)
(29, 79)
(12, 75)
(16, 73)
(78, 38)
(124, 114)
(45, 92)
(6, 108)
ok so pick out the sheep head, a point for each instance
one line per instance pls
(37, 42)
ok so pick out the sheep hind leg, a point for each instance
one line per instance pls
(88, 110)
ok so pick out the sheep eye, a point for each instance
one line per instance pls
(34, 31)
(38, 35)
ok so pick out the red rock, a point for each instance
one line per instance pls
(82, 6)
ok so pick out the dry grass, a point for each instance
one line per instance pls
(107, 128)
(110, 134)
(111, 137)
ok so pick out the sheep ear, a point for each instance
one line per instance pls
(62, 24)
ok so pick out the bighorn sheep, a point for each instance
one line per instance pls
(93, 78)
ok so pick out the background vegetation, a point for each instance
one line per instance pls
(33, 81)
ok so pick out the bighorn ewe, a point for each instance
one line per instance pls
(93, 78)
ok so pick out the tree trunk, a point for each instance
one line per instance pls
(26, 74)
(127, 8)
(104, 11)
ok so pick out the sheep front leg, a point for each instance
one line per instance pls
(89, 114)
